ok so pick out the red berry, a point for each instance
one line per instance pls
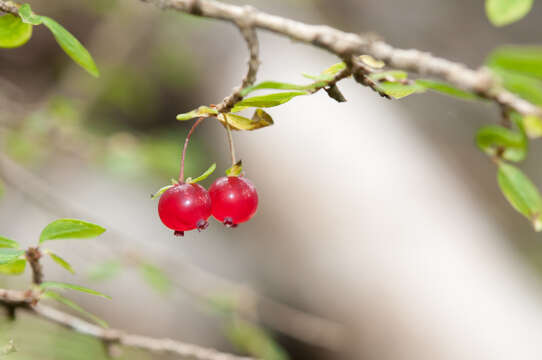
(185, 207)
(234, 200)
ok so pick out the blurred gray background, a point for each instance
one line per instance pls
(379, 215)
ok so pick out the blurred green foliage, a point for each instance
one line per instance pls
(34, 338)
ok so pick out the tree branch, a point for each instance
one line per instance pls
(9, 7)
(24, 300)
(345, 44)
(251, 38)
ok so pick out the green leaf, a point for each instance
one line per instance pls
(334, 69)
(13, 31)
(390, 75)
(61, 299)
(504, 12)
(526, 60)
(155, 277)
(60, 261)
(236, 169)
(8, 243)
(61, 285)
(204, 111)
(521, 193)
(267, 100)
(254, 340)
(2, 188)
(490, 138)
(328, 74)
(26, 14)
(203, 176)
(224, 303)
(161, 191)
(71, 46)
(70, 229)
(397, 90)
(275, 85)
(447, 89)
(372, 62)
(16, 267)
(105, 270)
(8, 255)
(533, 126)
(525, 86)
(259, 120)
(394, 83)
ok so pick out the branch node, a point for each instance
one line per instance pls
(194, 8)
(33, 255)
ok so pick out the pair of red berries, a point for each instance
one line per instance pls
(187, 206)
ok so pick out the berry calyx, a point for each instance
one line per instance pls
(185, 207)
(234, 200)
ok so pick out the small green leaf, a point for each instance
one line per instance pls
(334, 69)
(259, 120)
(267, 100)
(533, 126)
(236, 169)
(521, 193)
(204, 111)
(13, 268)
(398, 90)
(71, 46)
(8, 255)
(13, 31)
(61, 299)
(526, 60)
(372, 62)
(203, 176)
(254, 340)
(70, 229)
(328, 74)
(105, 270)
(155, 277)
(224, 303)
(2, 188)
(26, 14)
(490, 138)
(8, 243)
(61, 285)
(504, 12)
(390, 75)
(447, 89)
(161, 191)
(275, 85)
(60, 261)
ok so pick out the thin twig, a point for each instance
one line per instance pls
(24, 300)
(181, 174)
(244, 23)
(230, 141)
(345, 44)
(9, 7)
(33, 255)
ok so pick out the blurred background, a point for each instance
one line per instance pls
(379, 216)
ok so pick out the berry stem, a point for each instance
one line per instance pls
(181, 174)
(230, 141)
